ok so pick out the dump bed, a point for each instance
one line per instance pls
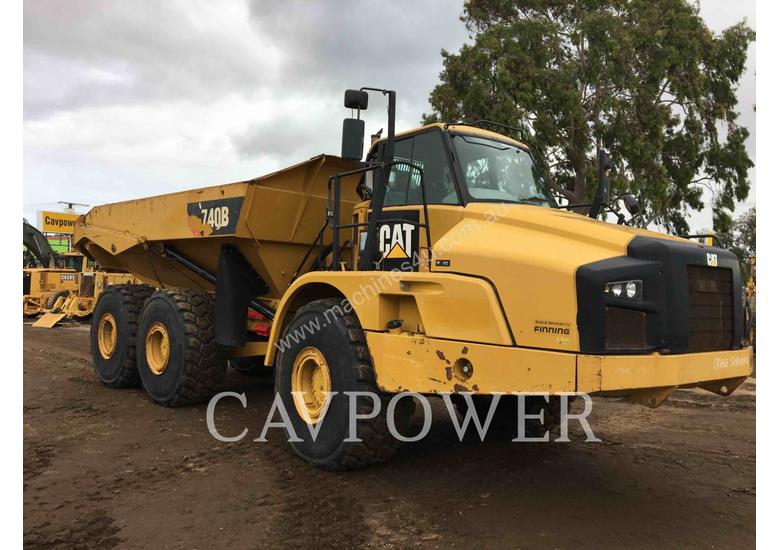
(272, 220)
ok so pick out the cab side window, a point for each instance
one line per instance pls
(398, 184)
(426, 151)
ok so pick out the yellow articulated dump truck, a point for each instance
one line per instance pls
(441, 263)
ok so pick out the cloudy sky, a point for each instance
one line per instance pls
(129, 99)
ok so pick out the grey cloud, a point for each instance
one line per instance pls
(86, 53)
(297, 56)
(334, 45)
(278, 137)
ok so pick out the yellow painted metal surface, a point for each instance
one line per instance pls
(531, 255)
(310, 384)
(107, 335)
(438, 304)
(458, 128)
(250, 349)
(272, 220)
(624, 372)
(407, 362)
(158, 348)
(404, 362)
(48, 320)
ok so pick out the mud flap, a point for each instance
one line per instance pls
(237, 284)
(48, 320)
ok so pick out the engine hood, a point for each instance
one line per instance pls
(531, 255)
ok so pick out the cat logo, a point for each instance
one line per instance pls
(398, 240)
(395, 241)
(712, 259)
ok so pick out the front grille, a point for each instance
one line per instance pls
(625, 329)
(711, 308)
(87, 287)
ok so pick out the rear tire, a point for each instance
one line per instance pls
(179, 361)
(113, 334)
(51, 300)
(341, 342)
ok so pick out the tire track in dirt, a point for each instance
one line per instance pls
(98, 462)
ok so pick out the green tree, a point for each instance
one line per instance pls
(741, 239)
(645, 79)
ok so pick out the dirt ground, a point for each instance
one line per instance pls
(110, 468)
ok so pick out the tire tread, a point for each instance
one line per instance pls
(378, 443)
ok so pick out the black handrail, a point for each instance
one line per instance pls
(334, 208)
(713, 236)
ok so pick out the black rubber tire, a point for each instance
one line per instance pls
(504, 425)
(342, 342)
(195, 369)
(125, 303)
(51, 300)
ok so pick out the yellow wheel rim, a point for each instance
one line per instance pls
(310, 384)
(158, 348)
(107, 336)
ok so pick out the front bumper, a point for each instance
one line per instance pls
(404, 362)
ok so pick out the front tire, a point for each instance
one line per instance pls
(113, 334)
(179, 361)
(332, 355)
(52, 300)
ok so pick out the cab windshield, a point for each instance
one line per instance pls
(68, 262)
(496, 171)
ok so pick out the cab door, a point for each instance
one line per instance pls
(399, 239)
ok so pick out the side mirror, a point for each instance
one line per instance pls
(632, 205)
(352, 138)
(356, 99)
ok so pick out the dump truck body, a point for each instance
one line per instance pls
(272, 220)
(460, 289)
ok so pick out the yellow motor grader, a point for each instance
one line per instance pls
(50, 276)
(64, 285)
(80, 302)
(43, 286)
(440, 263)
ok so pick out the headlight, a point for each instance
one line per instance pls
(624, 289)
(631, 288)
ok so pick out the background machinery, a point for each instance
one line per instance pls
(61, 285)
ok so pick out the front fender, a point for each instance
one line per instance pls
(443, 305)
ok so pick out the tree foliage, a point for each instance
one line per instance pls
(741, 239)
(645, 79)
